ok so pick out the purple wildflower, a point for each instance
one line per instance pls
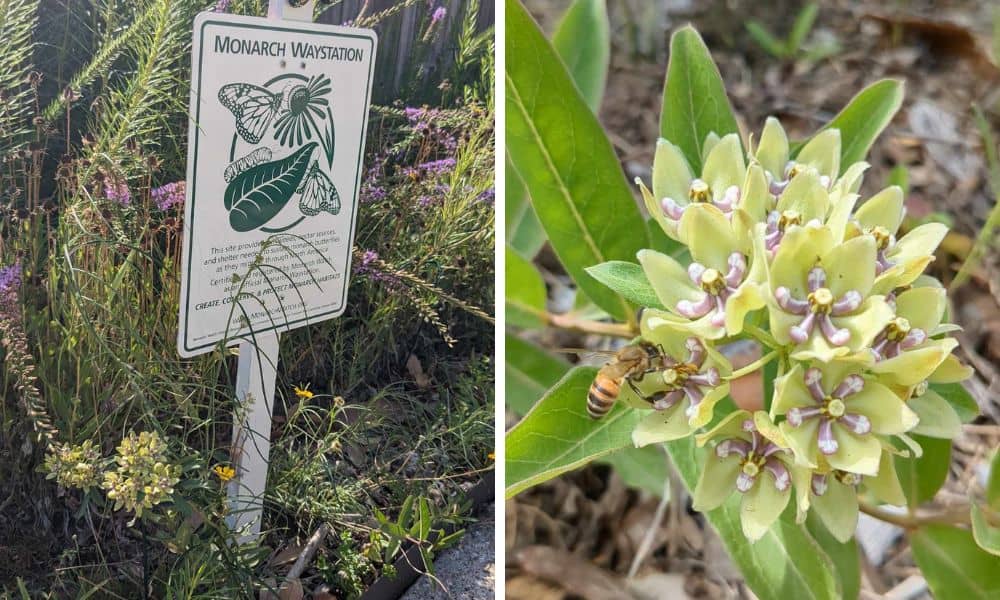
(169, 195)
(439, 13)
(118, 191)
(438, 167)
(487, 195)
(222, 6)
(10, 279)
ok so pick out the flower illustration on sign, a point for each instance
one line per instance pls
(295, 111)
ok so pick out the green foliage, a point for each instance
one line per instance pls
(794, 45)
(694, 98)
(525, 292)
(864, 118)
(529, 372)
(583, 41)
(576, 187)
(556, 435)
(628, 280)
(921, 477)
(95, 321)
(955, 568)
(524, 232)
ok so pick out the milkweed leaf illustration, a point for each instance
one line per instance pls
(256, 195)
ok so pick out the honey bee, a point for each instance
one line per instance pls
(629, 365)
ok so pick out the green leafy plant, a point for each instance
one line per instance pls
(770, 243)
(796, 44)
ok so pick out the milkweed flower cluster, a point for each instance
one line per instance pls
(144, 477)
(783, 250)
(74, 466)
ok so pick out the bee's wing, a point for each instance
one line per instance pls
(253, 106)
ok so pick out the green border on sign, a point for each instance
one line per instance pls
(194, 176)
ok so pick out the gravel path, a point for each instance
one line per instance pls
(467, 569)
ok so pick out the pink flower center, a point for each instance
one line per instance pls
(716, 289)
(756, 455)
(686, 379)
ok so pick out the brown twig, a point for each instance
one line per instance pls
(587, 326)
(307, 553)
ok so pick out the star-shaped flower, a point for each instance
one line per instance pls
(722, 284)
(905, 352)
(831, 410)
(820, 299)
(745, 461)
(898, 262)
(675, 187)
(684, 393)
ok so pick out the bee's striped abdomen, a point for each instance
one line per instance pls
(602, 396)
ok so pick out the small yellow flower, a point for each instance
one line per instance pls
(224, 473)
(303, 392)
(492, 456)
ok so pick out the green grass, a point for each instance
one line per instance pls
(97, 313)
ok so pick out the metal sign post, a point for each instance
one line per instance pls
(279, 117)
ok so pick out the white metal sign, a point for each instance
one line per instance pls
(279, 112)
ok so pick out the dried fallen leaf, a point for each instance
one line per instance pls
(416, 371)
(291, 590)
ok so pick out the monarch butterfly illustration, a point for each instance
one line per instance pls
(258, 156)
(318, 193)
(253, 106)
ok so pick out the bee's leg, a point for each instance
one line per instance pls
(631, 384)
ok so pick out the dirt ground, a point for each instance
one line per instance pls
(577, 536)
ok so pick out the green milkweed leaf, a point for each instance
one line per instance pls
(629, 280)
(574, 179)
(557, 436)
(864, 118)
(694, 97)
(954, 566)
(583, 41)
(256, 195)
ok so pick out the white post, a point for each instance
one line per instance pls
(255, 381)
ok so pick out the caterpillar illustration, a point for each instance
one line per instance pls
(258, 156)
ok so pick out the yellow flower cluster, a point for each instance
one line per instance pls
(144, 477)
(74, 466)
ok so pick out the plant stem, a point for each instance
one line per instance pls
(757, 364)
(762, 336)
(588, 326)
(957, 515)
